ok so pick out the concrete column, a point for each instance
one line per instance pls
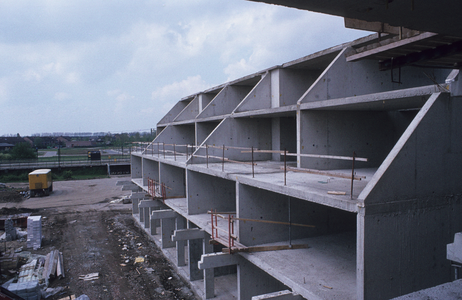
(145, 207)
(146, 217)
(195, 252)
(167, 225)
(136, 198)
(208, 263)
(209, 274)
(141, 210)
(180, 245)
(209, 283)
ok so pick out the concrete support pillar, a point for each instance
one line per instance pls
(194, 253)
(208, 263)
(135, 209)
(209, 283)
(209, 274)
(146, 217)
(196, 247)
(180, 245)
(136, 198)
(145, 207)
(141, 210)
(167, 228)
(167, 224)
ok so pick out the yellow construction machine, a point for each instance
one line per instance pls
(40, 182)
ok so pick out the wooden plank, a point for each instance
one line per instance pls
(273, 222)
(327, 173)
(310, 155)
(391, 46)
(264, 248)
(336, 193)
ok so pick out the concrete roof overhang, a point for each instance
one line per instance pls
(424, 15)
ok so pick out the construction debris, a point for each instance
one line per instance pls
(89, 277)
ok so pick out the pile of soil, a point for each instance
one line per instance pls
(11, 194)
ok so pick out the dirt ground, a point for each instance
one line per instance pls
(96, 235)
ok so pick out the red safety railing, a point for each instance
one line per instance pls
(228, 235)
(157, 190)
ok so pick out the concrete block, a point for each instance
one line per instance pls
(454, 250)
(188, 234)
(215, 260)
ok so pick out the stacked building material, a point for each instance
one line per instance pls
(29, 290)
(10, 231)
(34, 232)
(28, 286)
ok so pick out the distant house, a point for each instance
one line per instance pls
(7, 143)
(73, 144)
(5, 147)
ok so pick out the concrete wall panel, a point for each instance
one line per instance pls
(252, 281)
(226, 101)
(257, 204)
(239, 133)
(368, 134)
(426, 159)
(405, 251)
(190, 111)
(207, 192)
(293, 83)
(343, 79)
(173, 134)
(203, 130)
(174, 179)
(136, 167)
(259, 97)
(175, 111)
(150, 170)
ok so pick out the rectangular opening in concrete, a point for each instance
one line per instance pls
(368, 134)
(269, 217)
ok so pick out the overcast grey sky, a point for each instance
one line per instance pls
(119, 66)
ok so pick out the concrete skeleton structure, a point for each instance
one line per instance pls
(346, 167)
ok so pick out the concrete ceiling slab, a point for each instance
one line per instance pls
(424, 15)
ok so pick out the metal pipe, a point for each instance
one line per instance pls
(285, 166)
(352, 174)
(253, 168)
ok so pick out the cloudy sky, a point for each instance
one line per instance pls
(119, 66)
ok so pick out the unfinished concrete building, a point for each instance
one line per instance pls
(334, 176)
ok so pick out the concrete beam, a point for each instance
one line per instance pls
(148, 203)
(282, 295)
(164, 214)
(188, 234)
(215, 260)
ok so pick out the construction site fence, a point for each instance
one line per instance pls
(46, 164)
